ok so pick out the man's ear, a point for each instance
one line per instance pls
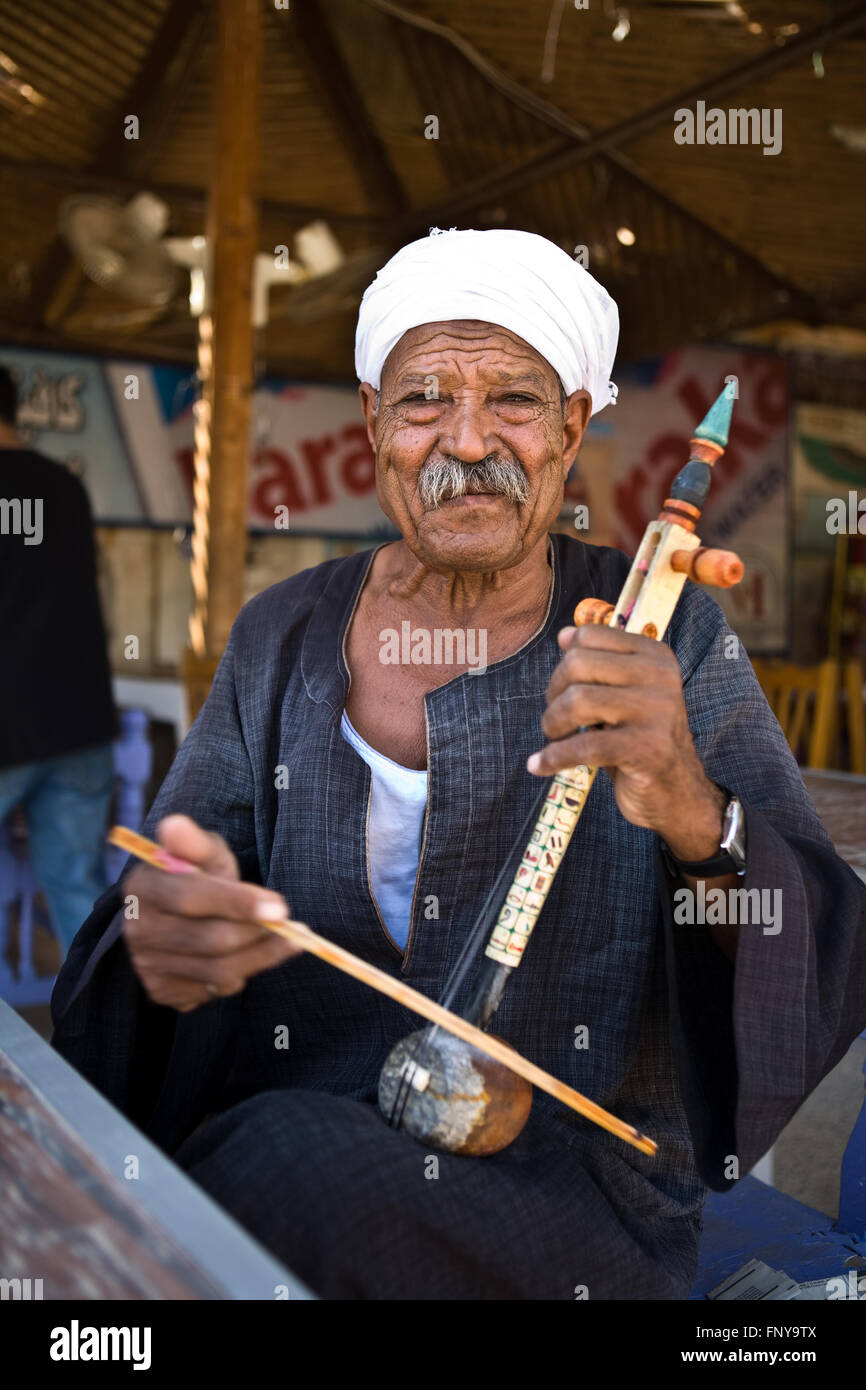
(578, 409)
(369, 400)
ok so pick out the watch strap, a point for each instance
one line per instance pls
(721, 863)
(724, 861)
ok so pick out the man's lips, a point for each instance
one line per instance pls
(474, 497)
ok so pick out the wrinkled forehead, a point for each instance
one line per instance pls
(465, 344)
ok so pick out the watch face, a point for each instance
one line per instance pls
(734, 838)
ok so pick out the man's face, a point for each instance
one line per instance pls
(467, 393)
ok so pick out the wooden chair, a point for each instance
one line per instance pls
(856, 716)
(803, 699)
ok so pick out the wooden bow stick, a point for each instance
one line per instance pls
(301, 935)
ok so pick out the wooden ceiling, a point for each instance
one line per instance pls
(545, 122)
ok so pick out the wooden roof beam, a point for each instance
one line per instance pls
(556, 158)
(125, 185)
(157, 91)
(336, 85)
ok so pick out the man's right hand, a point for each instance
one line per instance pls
(195, 937)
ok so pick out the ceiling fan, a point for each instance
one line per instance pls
(123, 248)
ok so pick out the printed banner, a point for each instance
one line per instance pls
(127, 428)
(829, 475)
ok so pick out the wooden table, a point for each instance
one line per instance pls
(73, 1216)
(840, 800)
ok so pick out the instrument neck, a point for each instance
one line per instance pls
(489, 989)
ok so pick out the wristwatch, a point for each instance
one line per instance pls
(731, 858)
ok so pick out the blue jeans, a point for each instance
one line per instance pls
(66, 802)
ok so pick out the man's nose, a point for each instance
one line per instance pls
(468, 432)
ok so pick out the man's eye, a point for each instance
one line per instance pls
(516, 396)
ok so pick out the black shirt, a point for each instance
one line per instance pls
(55, 684)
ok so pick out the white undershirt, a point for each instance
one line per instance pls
(394, 835)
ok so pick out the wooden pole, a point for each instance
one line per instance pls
(226, 348)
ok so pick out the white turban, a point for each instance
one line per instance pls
(516, 280)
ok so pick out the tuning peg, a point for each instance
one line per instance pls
(721, 568)
(592, 610)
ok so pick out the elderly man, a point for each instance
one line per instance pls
(379, 800)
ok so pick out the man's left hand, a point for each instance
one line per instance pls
(632, 685)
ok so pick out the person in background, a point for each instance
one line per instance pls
(57, 718)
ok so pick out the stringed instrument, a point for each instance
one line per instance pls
(438, 1088)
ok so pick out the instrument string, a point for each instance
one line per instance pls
(422, 1049)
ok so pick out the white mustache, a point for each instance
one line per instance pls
(444, 478)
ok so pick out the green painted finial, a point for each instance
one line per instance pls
(715, 425)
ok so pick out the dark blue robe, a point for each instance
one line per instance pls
(709, 1059)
